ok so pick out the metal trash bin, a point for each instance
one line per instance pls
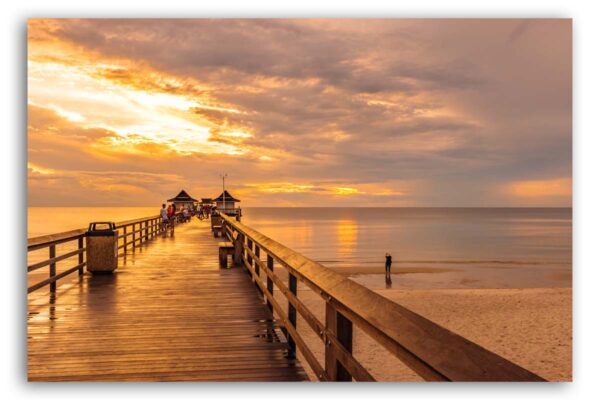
(101, 247)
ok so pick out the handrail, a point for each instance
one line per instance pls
(135, 221)
(41, 241)
(143, 229)
(55, 238)
(432, 351)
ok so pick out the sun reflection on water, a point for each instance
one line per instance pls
(347, 236)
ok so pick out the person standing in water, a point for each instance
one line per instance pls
(388, 264)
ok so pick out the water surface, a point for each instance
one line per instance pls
(468, 247)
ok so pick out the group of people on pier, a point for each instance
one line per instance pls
(171, 215)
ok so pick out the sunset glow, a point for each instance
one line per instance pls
(300, 112)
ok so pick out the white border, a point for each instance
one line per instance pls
(586, 201)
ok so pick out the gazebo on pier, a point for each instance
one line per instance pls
(183, 200)
(226, 203)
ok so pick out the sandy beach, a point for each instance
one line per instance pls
(531, 327)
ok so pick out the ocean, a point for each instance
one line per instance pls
(436, 247)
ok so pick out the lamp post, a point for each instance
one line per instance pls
(223, 176)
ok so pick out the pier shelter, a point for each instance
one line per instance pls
(226, 203)
(183, 200)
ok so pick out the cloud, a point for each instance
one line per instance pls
(456, 108)
(94, 188)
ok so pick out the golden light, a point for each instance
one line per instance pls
(142, 117)
(36, 169)
(347, 236)
(559, 187)
(280, 187)
(345, 191)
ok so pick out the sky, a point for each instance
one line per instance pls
(301, 112)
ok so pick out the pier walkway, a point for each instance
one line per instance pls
(167, 314)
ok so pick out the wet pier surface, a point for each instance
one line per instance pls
(168, 314)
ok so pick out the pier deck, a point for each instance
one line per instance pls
(168, 314)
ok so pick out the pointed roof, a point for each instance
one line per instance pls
(228, 197)
(182, 197)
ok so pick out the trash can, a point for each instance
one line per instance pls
(101, 247)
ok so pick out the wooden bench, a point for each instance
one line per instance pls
(225, 249)
(217, 230)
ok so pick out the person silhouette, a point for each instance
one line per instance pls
(388, 264)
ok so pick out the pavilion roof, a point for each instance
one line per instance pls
(228, 197)
(182, 197)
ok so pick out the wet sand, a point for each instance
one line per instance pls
(353, 271)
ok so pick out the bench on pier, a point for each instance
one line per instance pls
(217, 230)
(225, 249)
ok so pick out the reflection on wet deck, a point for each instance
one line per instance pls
(169, 313)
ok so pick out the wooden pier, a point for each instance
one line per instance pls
(170, 313)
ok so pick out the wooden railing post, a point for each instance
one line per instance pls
(269, 281)
(256, 266)
(293, 286)
(146, 230)
(249, 256)
(125, 240)
(52, 254)
(341, 328)
(133, 237)
(80, 259)
(238, 250)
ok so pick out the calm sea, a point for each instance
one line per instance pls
(440, 247)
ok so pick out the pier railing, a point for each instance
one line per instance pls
(433, 352)
(131, 233)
